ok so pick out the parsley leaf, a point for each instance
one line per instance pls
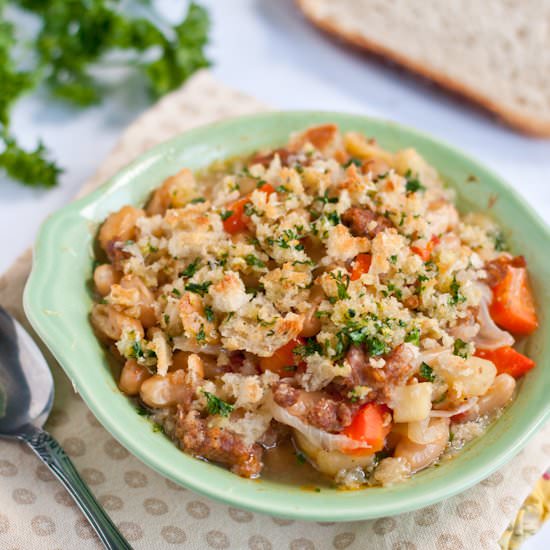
(456, 297)
(461, 348)
(198, 288)
(426, 372)
(191, 269)
(209, 314)
(252, 260)
(215, 405)
(413, 337)
(413, 184)
(226, 214)
(72, 37)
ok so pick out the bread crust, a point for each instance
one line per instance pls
(530, 126)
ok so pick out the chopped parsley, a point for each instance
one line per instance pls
(300, 457)
(326, 199)
(198, 200)
(191, 269)
(226, 214)
(456, 297)
(461, 348)
(413, 183)
(282, 189)
(252, 260)
(209, 314)
(176, 292)
(333, 218)
(393, 259)
(426, 372)
(413, 337)
(198, 288)
(215, 405)
(309, 348)
(342, 284)
(351, 161)
(499, 241)
(201, 336)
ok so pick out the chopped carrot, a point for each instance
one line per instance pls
(507, 360)
(369, 425)
(284, 361)
(513, 307)
(426, 252)
(237, 221)
(360, 265)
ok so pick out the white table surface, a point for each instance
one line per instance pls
(266, 49)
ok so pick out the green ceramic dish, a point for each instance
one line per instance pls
(57, 303)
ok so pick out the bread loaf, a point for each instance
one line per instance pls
(495, 52)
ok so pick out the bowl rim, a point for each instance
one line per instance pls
(249, 499)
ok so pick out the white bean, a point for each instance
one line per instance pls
(119, 225)
(109, 323)
(165, 391)
(421, 456)
(132, 377)
(104, 277)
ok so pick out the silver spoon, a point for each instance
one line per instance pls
(26, 399)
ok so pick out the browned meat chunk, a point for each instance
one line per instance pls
(265, 159)
(359, 221)
(330, 415)
(497, 269)
(396, 371)
(217, 444)
(285, 395)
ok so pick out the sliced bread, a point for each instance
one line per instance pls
(495, 52)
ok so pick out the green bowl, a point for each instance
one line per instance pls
(57, 302)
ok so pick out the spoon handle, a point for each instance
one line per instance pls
(52, 455)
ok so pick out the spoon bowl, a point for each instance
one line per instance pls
(26, 383)
(26, 399)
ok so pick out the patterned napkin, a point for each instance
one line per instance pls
(154, 513)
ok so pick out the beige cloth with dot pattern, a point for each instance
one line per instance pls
(154, 513)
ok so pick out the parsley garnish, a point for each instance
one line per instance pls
(201, 336)
(413, 184)
(191, 269)
(351, 161)
(500, 242)
(254, 260)
(393, 259)
(209, 313)
(309, 348)
(198, 200)
(413, 337)
(427, 372)
(226, 214)
(176, 292)
(198, 288)
(342, 284)
(215, 405)
(456, 297)
(333, 218)
(461, 348)
(326, 199)
(75, 36)
(300, 457)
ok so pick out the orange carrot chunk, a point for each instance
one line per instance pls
(426, 252)
(369, 425)
(237, 220)
(360, 265)
(284, 361)
(513, 307)
(507, 360)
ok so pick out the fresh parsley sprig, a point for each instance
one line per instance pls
(73, 37)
